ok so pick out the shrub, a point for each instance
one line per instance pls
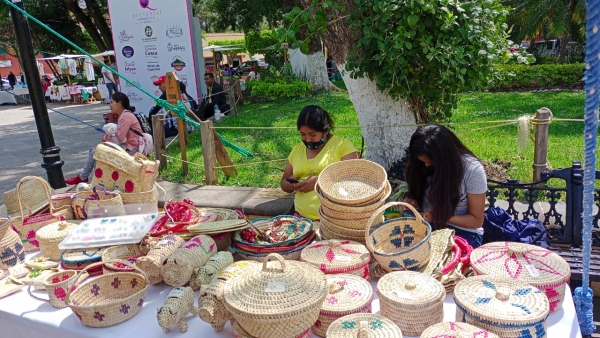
(538, 76)
(280, 88)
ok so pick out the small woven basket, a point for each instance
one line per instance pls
(338, 257)
(57, 285)
(84, 202)
(327, 233)
(62, 201)
(145, 197)
(399, 243)
(279, 299)
(82, 255)
(353, 182)
(152, 263)
(109, 299)
(455, 330)
(129, 253)
(504, 306)
(223, 240)
(346, 294)
(51, 235)
(11, 247)
(276, 249)
(412, 300)
(363, 208)
(363, 325)
(531, 264)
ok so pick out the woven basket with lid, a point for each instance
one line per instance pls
(239, 332)
(456, 330)
(51, 235)
(412, 300)
(335, 257)
(531, 264)
(504, 306)
(346, 294)
(363, 325)
(353, 182)
(278, 299)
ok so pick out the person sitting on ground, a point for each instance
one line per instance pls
(446, 182)
(319, 148)
(128, 129)
(215, 96)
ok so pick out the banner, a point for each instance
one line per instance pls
(151, 38)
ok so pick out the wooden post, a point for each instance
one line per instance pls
(158, 131)
(540, 155)
(231, 92)
(223, 157)
(208, 150)
(174, 95)
(238, 91)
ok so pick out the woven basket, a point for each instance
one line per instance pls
(400, 243)
(129, 253)
(146, 197)
(57, 285)
(149, 171)
(117, 170)
(62, 201)
(327, 233)
(32, 196)
(346, 294)
(239, 332)
(86, 201)
(338, 257)
(363, 325)
(153, 261)
(11, 248)
(303, 225)
(531, 264)
(455, 330)
(353, 224)
(363, 208)
(96, 271)
(504, 306)
(352, 182)
(51, 235)
(109, 299)
(279, 299)
(276, 249)
(291, 255)
(82, 255)
(412, 300)
(223, 240)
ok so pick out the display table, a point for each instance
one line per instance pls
(7, 98)
(23, 316)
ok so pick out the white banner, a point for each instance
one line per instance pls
(151, 38)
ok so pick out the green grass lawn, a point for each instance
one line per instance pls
(565, 138)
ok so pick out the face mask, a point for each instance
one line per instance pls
(315, 145)
(429, 171)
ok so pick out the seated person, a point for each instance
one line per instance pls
(319, 148)
(215, 96)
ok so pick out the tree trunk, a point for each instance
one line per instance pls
(100, 20)
(87, 23)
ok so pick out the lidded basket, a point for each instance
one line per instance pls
(363, 325)
(412, 300)
(456, 330)
(531, 264)
(51, 235)
(335, 257)
(279, 299)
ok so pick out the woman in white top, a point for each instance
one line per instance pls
(446, 182)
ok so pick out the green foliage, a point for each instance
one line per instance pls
(539, 76)
(279, 88)
(520, 57)
(247, 15)
(257, 41)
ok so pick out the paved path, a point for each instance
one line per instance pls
(20, 144)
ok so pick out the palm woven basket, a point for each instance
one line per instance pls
(11, 248)
(279, 299)
(363, 325)
(239, 332)
(412, 300)
(353, 182)
(301, 226)
(51, 235)
(276, 249)
(338, 257)
(327, 233)
(399, 243)
(129, 253)
(342, 230)
(109, 299)
(357, 209)
(456, 330)
(524, 308)
(292, 254)
(354, 224)
(531, 264)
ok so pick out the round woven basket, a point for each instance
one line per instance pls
(412, 300)
(363, 325)
(279, 299)
(352, 182)
(128, 253)
(109, 299)
(327, 233)
(338, 257)
(291, 255)
(399, 243)
(355, 224)
(504, 306)
(11, 247)
(309, 238)
(239, 332)
(51, 235)
(146, 197)
(342, 230)
(301, 226)
(455, 330)
(367, 207)
(531, 264)
(57, 285)
(346, 294)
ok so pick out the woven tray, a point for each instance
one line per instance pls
(363, 325)
(504, 306)
(276, 249)
(51, 235)
(352, 182)
(302, 227)
(292, 255)
(335, 257)
(412, 300)
(456, 330)
(531, 264)
(82, 255)
(346, 294)
(281, 298)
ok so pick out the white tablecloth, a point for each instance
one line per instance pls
(23, 316)
(7, 98)
(21, 91)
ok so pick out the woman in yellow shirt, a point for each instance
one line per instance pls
(319, 149)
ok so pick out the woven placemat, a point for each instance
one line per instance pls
(363, 325)
(456, 330)
(218, 226)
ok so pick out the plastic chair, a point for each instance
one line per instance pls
(85, 96)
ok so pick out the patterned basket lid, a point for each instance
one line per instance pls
(531, 264)
(501, 300)
(82, 255)
(413, 291)
(55, 231)
(456, 330)
(346, 294)
(334, 256)
(363, 325)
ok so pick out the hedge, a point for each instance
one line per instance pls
(279, 89)
(539, 76)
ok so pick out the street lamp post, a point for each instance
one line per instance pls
(50, 152)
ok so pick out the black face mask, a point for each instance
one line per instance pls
(315, 145)
(429, 171)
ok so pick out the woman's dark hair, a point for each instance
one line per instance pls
(124, 100)
(316, 118)
(446, 151)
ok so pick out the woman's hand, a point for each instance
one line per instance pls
(427, 216)
(105, 138)
(307, 185)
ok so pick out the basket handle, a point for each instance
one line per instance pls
(335, 286)
(34, 296)
(84, 271)
(275, 256)
(114, 146)
(379, 212)
(44, 185)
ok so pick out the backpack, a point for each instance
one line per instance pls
(143, 121)
(145, 142)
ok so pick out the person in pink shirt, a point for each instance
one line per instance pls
(128, 129)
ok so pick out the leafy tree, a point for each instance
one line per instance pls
(230, 42)
(266, 43)
(246, 15)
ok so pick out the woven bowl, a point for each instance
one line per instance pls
(276, 249)
(363, 325)
(356, 224)
(455, 330)
(146, 197)
(304, 226)
(239, 332)
(328, 234)
(342, 230)
(366, 207)
(290, 255)
(128, 253)
(352, 182)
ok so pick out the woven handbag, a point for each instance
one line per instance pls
(117, 170)
(109, 299)
(399, 243)
(149, 171)
(11, 248)
(86, 201)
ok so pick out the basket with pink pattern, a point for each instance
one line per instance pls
(335, 256)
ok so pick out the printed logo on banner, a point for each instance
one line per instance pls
(128, 51)
(134, 97)
(123, 36)
(151, 51)
(130, 67)
(174, 31)
(145, 4)
(130, 84)
(153, 66)
(154, 78)
(146, 17)
(149, 32)
(178, 63)
(175, 47)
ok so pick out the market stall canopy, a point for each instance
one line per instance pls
(76, 56)
(216, 48)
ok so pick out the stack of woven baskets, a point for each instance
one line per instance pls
(350, 192)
